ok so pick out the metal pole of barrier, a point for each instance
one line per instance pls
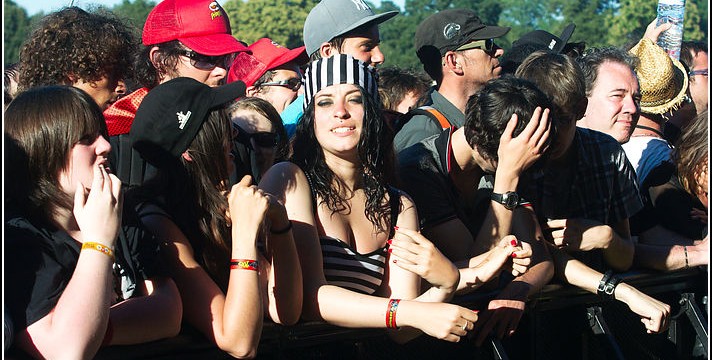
(600, 327)
(699, 324)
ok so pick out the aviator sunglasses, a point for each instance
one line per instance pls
(205, 62)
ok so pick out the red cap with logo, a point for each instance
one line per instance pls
(266, 55)
(202, 26)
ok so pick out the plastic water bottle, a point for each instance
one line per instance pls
(671, 11)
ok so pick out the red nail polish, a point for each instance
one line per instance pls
(395, 261)
(514, 254)
(396, 228)
(390, 250)
(390, 241)
(513, 242)
(475, 311)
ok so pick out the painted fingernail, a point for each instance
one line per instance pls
(475, 311)
(396, 228)
(514, 254)
(390, 250)
(395, 261)
(389, 241)
(513, 242)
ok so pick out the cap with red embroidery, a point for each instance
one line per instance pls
(266, 55)
(201, 25)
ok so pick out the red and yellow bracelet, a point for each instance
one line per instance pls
(391, 313)
(244, 264)
(99, 247)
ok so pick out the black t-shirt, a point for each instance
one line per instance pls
(39, 261)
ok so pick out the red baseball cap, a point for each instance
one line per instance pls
(266, 55)
(201, 25)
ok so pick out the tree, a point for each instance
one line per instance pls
(280, 20)
(135, 13)
(16, 27)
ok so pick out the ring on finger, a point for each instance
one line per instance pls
(467, 323)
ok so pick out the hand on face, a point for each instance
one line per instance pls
(516, 154)
(97, 210)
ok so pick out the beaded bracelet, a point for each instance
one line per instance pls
(391, 313)
(99, 247)
(281, 231)
(687, 262)
(244, 264)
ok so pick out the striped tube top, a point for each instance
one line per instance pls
(348, 269)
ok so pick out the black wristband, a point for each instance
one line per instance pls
(607, 285)
(281, 231)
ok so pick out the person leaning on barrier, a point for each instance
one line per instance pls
(561, 79)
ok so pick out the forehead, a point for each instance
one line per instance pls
(700, 61)
(615, 76)
(286, 73)
(335, 90)
(369, 34)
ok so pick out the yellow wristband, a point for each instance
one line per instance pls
(100, 248)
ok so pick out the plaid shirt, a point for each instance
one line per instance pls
(598, 183)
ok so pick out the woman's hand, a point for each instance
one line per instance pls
(440, 320)
(654, 314)
(248, 206)
(413, 252)
(98, 210)
(497, 258)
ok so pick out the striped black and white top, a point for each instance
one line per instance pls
(346, 268)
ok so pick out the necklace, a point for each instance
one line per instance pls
(656, 132)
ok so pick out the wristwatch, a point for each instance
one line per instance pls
(510, 199)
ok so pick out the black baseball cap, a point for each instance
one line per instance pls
(171, 115)
(547, 39)
(449, 29)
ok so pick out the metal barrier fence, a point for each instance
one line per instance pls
(561, 322)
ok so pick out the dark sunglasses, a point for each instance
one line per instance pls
(703, 72)
(262, 138)
(292, 83)
(205, 62)
(487, 45)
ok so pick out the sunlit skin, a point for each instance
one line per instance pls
(104, 91)
(90, 151)
(211, 78)
(364, 46)
(699, 84)
(614, 103)
(338, 120)
(279, 96)
(482, 66)
(409, 102)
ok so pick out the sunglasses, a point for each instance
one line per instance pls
(292, 83)
(205, 62)
(487, 45)
(262, 138)
(703, 72)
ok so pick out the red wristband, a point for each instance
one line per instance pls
(391, 313)
(245, 264)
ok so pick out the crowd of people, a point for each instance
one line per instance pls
(190, 179)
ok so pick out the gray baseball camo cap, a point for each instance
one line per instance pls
(332, 18)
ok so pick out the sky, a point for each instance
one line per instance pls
(35, 6)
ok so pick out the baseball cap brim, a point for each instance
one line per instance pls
(228, 92)
(565, 36)
(489, 32)
(214, 44)
(373, 19)
(298, 55)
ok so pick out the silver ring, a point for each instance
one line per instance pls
(464, 327)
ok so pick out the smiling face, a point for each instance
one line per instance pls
(338, 118)
(89, 152)
(614, 102)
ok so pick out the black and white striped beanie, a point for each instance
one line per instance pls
(339, 69)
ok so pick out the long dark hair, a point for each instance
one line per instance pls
(193, 194)
(46, 122)
(375, 150)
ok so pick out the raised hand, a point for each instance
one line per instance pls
(516, 154)
(97, 210)
(248, 206)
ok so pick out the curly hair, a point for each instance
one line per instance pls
(73, 42)
(148, 74)
(375, 151)
(488, 112)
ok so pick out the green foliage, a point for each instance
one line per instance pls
(280, 20)
(598, 22)
(17, 25)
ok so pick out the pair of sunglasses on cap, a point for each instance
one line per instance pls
(262, 138)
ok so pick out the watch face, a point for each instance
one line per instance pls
(511, 200)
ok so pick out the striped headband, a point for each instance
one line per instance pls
(339, 69)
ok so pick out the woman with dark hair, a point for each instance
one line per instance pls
(210, 231)
(77, 265)
(360, 262)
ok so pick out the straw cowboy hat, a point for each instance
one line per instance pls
(663, 80)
